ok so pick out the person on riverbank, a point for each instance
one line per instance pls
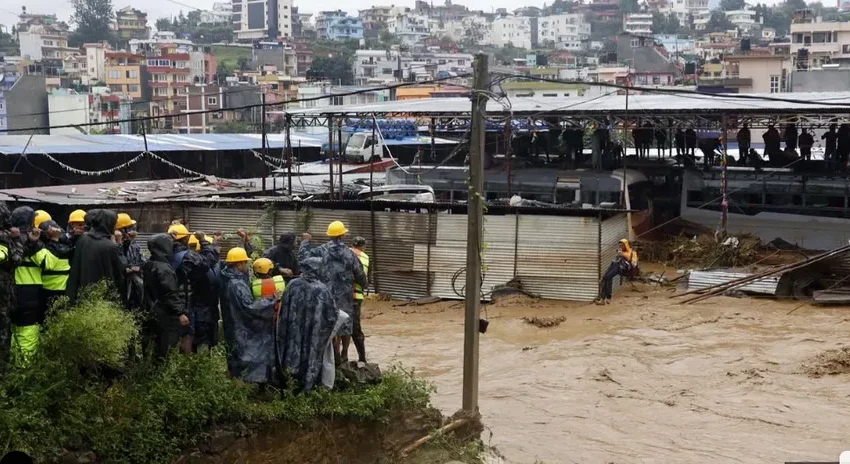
(96, 256)
(358, 244)
(164, 307)
(284, 257)
(305, 326)
(265, 285)
(196, 283)
(55, 281)
(248, 324)
(624, 264)
(131, 251)
(11, 256)
(340, 271)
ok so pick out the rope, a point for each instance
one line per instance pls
(93, 173)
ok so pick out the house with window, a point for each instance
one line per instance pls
(759, 72)
(170, 77)
(649, 64)
(131, 23)
(126, 73)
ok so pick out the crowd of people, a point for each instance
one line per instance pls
(290, 314)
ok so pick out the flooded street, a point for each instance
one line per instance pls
(641, 380)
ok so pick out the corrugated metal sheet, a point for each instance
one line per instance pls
(397, 236)
(704, 278)
(229, 220)
(558, 257)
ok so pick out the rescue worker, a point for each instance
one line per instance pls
(265, 285)
(771, 143)
(196, 285)
(807, 141)
(30, 310)
(305, 327)
(11, 255)
(165, 311)
(625, 264)
(41, 216)
(55, 281)
(744, 140)
(248, 324)
(96, 255)
(357, 331)
(283, 256)
(133, 261)
(830, 147)
(340, 271)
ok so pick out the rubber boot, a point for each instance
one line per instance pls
(360, 344)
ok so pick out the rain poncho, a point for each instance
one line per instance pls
(248, 329)
(339, 271)
(163, 302)
(283, 254)
(11, 254)
(96, 256)
(305, 325)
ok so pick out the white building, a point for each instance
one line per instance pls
(638, 23)
(701, 19)
(160, 37)
(374, 66)
(265, 19)
(95, 62)
(744, 20)
(220, 14)
(409, 27)
(44, 42)
(683, 9)
(566, 31)
(308, 91)
(513, 30)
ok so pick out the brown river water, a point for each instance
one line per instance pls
(642, 380)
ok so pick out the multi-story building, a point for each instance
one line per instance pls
(43, 38)
(131, 23)
(638, 23)
(277, 56)
(815, 42)
(170, 72)
(96, 62)
(199, 98)
(513, 30)
(375, 18)
(649, 63)
(126, 73)
(674, 44)
(410, 28)
(303, 57)
(263, 19)
(744, 21)
(564, 31)
(471, 30)
(74, 67)
(23, 104)
(220, 14)
(337, 25)
(335, 95)
(202, 64)
(684, 9)
(764, 72)
(375, 66)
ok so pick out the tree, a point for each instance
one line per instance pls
(665, 24)
(718, 22)
(729, 5)
(629, 6)
(473, 34)
(92, 18)
(336, 68)
(163, 24)
(244, 64)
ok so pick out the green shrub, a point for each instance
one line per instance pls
(81, 393)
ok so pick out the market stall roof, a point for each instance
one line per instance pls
(646, 104)
(122, 143)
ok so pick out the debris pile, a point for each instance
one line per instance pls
(544, 322)
(830, 362)
(703, 251)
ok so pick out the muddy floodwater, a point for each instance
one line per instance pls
(641, 380)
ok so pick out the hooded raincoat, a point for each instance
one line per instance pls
(11, 254)
(340, 270)
(96, 256)
(283, 254)
(199, 288)
(163, 302)
(305, 325)
(248, 329)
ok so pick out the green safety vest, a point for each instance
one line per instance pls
(30, 270)
(265, 288)
(4, 253)
(364, 261)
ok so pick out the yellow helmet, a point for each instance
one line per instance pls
(263, 266)
(124, 220)
(236, 255)
(194, 244)
(336, 229)
(77, 215)
(41, 216)
(178, 231)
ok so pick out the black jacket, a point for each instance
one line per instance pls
(283, 254)
(96, 256)
(164, 301)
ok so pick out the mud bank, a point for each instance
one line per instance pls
(325, 441)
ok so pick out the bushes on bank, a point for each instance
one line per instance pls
(83, 393)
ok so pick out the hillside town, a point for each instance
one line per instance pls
(55, 72)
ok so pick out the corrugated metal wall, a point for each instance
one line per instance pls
(613, 229)
(414, 254)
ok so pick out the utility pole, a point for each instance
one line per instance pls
(341, 157)
(723, 180)
(288, 121)
(263, 141)
(331, 153)
(474, 235)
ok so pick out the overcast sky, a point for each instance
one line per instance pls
(9, 9)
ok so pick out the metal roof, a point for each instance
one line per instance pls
(120, 143)
(684, 104)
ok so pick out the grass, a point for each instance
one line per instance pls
(82, 393)
(229, 55)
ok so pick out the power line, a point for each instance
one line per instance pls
(237, 108)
